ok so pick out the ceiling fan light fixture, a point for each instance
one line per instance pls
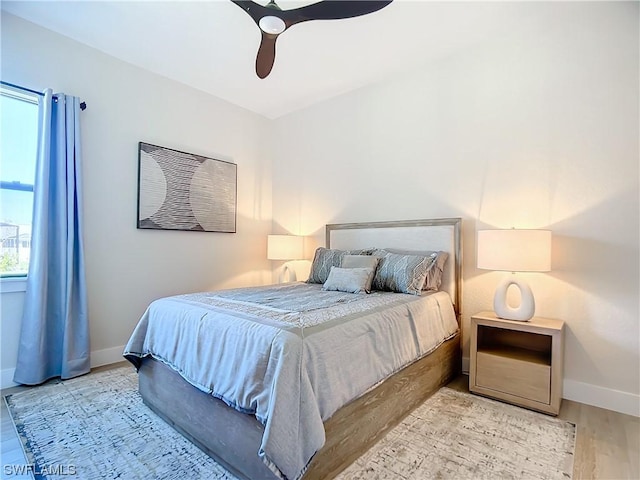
(272, 21)
(272, 25)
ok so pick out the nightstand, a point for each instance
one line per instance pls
(518, 362)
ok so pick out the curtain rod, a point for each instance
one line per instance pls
(83, 105)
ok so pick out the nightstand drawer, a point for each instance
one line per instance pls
(516, 377)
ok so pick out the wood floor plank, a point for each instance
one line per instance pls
(10, 448)
(632, 431)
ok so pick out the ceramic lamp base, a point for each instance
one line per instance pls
(521, 313)
(283, 273)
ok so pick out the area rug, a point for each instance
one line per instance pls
(455, 435)
(96, 427)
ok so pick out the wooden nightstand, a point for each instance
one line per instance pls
(518, 362)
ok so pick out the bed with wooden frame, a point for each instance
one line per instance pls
(232, 438)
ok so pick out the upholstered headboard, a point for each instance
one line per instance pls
(429, 234)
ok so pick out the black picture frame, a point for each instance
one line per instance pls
(184, 191)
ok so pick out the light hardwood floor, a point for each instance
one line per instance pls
(607, 443)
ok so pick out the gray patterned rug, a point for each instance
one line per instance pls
(97, 427)
(456, 435)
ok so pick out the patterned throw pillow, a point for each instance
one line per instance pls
(434, 273)
(326, 258)
(350, 280)
(401, 273)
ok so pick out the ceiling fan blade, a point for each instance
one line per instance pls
(266, 54)
(332, 10)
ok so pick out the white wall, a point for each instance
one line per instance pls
(537, 131)
(126, 268)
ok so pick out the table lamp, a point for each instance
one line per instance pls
(514, 250)
(285, 247)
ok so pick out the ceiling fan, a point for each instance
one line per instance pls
(272, 21)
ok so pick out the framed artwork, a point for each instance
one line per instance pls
(183, 191)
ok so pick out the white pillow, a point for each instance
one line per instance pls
(350, 280)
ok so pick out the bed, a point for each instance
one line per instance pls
(294, 381)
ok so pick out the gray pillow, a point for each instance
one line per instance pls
(401, 273)
(434, 272)
(350, 280)
(362, 261)
(326, 258)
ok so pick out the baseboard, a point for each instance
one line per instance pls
(107, 356)
(593, 395)
(596, 396)
(98, 359)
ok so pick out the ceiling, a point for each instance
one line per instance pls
(212, 45)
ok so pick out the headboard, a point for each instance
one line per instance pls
(429, 234)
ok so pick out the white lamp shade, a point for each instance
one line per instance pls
(514, 250)
(285, 247)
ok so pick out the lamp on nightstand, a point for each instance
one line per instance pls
(285, 247)
(514, 251)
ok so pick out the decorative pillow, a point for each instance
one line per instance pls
(434, 272)
(401, 273)
(350, 280)
(362, 261)
(326, 258)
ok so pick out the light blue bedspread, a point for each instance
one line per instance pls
(290, 354)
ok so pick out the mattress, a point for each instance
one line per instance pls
(290, 354)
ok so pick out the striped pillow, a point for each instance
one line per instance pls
(434, 272)
(326, 258)
(401, 273)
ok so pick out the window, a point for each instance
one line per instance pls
(19, 133)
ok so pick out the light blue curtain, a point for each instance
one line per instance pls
(54, 339)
